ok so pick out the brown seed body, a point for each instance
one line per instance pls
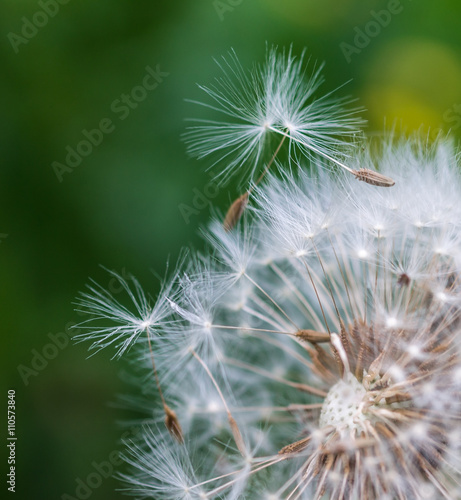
(235, 212)
(373, 178)
(313, 336)
(173, 425)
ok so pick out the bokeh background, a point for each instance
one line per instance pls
(121, 207)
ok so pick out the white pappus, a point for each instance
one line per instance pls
(314, 350)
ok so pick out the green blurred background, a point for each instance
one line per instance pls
(120, 206)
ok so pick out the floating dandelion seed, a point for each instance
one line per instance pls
(127, 328)
(276, 100)
(316, 351)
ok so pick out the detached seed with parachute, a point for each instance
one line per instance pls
(373, 178)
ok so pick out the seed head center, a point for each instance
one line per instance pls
(342, 407)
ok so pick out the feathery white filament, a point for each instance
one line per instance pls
(372, 411)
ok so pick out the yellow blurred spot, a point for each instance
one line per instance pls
(413, 82)
(397, 105)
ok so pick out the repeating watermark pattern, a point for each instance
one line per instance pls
(101, 470)
(222, 7)
(30, 27)
(363, 35)
(11, 441)
(201, 199)
(121, 109)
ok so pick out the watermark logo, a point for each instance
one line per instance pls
(102, 470)
(222, 7)
(30, 27)
(121, 108)
(201, 199)
(40, 358)
(363, 35)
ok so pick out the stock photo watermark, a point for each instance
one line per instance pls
(201, 200)
(101, 470)
(222, 7)
(11, 441)
(47, 9)
(121, 109)
(373, 28)
(41, 357)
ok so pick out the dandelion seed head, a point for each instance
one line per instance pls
(314, 350)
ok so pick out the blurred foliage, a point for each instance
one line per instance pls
(120, 206)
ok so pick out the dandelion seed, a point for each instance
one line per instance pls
(110, 322)
(128, 328)
(273, 100)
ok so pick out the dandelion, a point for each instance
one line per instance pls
(315, 351)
